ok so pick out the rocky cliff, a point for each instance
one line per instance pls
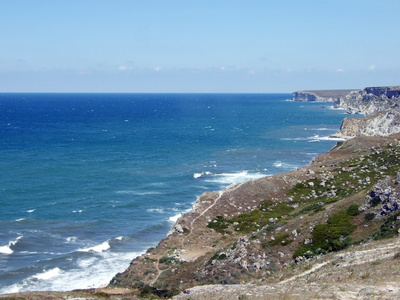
(381, 105)
(320, 95)
(254, 231)
(286, 235)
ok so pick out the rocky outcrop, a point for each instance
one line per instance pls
(381, 105)
(382, 123)
(320, 96)
(370, 100)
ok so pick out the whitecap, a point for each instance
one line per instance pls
(98, 248)
(137, 193)
(239, 177)
(202, 175)
(30, 211)
(284, 165)
(48, 274)
(6, 249)
(71, 239)
(19, 220)
(317, 138)
(174, 218)
(157, 210)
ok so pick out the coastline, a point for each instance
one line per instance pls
(189, 239)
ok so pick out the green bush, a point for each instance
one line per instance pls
(369, 217)
(168, 260)
(353, 210)
(219, 224)
(280, 240)
(332, 236)
(389, 228)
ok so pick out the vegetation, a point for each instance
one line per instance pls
(149, 291)
(266, 213)
(389, 228)
(280, 240)
(332, 236)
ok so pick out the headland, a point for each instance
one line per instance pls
(326, 230)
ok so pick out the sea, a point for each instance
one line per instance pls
(90, 181)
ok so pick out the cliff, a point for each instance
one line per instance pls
(260, 230)
(320, 95)
(379, 104)
(326, 230)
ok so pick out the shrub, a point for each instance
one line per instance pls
(353, 210)
(280, 240)
(219, 224)
(369, 217)
(329, 237)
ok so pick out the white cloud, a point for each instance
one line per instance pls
(158, 69)
(251, 72)
(124, 68)
(340, 70)
(371, 67)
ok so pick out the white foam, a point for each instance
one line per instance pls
(175, 218)
(19, 220)
(88, 273)
(98, 248)
(71, 239)
(48, 274)
(284, 165)
(157, 210)
(317, 138)
(230, 178)
(125, 192)
(201, 175)
(30, 211)
(6, 249)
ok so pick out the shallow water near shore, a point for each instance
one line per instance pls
(90, 181)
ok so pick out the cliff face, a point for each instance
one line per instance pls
(370, 100)
(320, 96)
(381, 105)
(255, 230)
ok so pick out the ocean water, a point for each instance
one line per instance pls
(90, 181)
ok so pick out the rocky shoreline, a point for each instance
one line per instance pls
(277, 237)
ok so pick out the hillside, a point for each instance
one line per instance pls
(328, 230)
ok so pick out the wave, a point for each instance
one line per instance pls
(229, 178)
(86, 273)
(48, 274)
(314, 138)
(157, 210)
(98, 248)
(202, 175)
(133, 192)
(284, 165)
(6, 249)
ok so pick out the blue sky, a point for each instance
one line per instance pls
(197, 46)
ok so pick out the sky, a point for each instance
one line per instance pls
(198, 46)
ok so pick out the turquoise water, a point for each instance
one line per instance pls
(90, 181)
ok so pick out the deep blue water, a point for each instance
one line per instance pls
(89, 181)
